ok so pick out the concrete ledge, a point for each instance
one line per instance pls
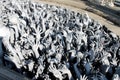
(8, 74)
(106, 12)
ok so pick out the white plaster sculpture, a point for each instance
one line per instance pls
(46, 42)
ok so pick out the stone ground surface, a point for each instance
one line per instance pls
(79, 6)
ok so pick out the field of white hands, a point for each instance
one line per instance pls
(46, 42)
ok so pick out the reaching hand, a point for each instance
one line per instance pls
(83, 77)
(55, 72)
(65, 70)
(114, 61)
